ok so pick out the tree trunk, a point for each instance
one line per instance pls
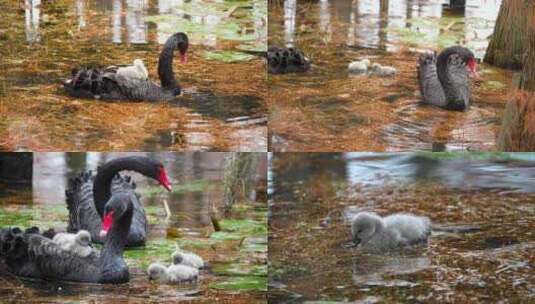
(240, 173)
(518, 126)
(506, 47)
(527, 81)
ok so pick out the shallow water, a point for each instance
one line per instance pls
(481, 206)
(328, 109)
(48, 39)
(236, 256)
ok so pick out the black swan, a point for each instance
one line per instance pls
(30, 254)
(107, 84)
(87, 194)
(444, 80)
(286, 60)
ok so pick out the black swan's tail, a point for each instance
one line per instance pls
(93, 83)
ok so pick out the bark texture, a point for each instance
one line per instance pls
(517, 132)
(506, 47)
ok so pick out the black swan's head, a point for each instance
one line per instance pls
(156, 170)
(145, 165)
(182, 44)
(458, 55)
(115, 208)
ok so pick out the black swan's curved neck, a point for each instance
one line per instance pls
(442, 64)
(117, 238)
(103, 180)
(165, 62)
(113, 268)
(443, 61)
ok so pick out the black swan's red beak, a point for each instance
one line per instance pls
(164, 180)
(107, 221)
(472, 66)
(183, 58)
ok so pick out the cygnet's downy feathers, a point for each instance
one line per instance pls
(181, 257)
(78, 243)
(397, 231)
(172, 274)
(136, 71)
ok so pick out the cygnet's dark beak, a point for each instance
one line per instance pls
(352, 244)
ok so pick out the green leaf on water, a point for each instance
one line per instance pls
(228, 56)
(240, 269)
(225, 236)
(243, 283)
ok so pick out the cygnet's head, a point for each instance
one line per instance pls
(138, 63)
(83, 238)
(178, 257)
(366, 62)
(376, 66)
(156, 272)
(364, 225)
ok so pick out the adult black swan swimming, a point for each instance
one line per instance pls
(286, 60)
(444, 80)
(87, 194)
(30, 254)
(107, 84)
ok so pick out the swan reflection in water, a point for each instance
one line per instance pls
(368, 21)
(32, 13)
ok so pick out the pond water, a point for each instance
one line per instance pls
(222, 107)
(481, 207)
(328, 109)
(237, 255)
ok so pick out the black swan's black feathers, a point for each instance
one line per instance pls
(286, 60)
(106, 84)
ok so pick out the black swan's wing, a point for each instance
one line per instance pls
(430, 86)
(457, 84)
(30, 254)
(108, 85)
(58, 264)
(286, 60)
(136, 89)
(94, 83)
(82, 211)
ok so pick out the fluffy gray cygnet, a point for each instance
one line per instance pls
(374, 233)
(78, 243)
(135, 71)
(172, 274)
(359, 67)
(382, 71)
(181, 257)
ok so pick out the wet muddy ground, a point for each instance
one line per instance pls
(237, 255)
(222, 107)
(482, 212)
(328, 109)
